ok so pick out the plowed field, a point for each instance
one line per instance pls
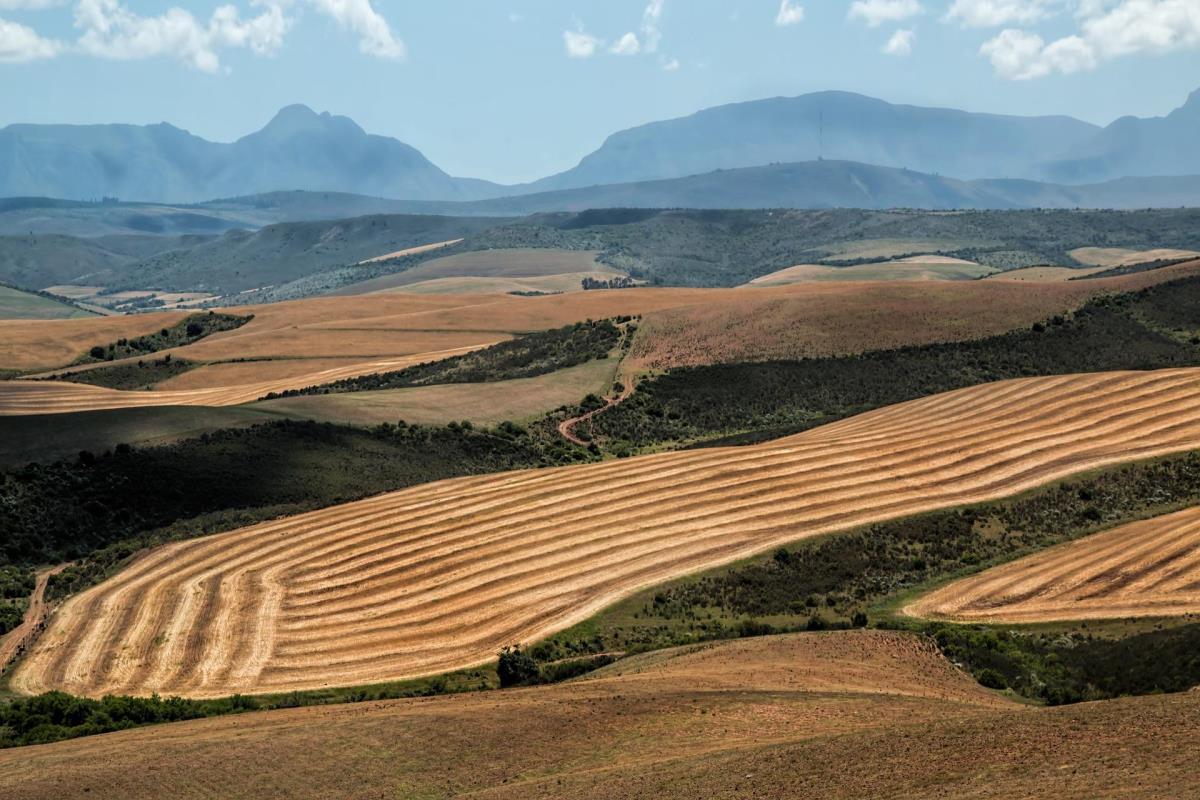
(1145, 569)
(440, 576)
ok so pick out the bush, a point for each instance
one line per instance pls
(517, 668)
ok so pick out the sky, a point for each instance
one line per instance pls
(513, 90)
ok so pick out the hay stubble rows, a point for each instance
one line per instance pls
(440, 576)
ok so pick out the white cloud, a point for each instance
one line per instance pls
(361, 18)
(669, 64)
(580, 44)
(901, 43)
(877, 12)
(994, 13)
(789, 13)
(1108, 30)
(28, 5)
(20, 43)
(651, 35)
(627, 45)
(109, 30)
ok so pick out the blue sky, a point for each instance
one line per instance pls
(512, 90)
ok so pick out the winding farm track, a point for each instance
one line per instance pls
(440, 576)
(12, 643)
(1147, 568)
(22, 397)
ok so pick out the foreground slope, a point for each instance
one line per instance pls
(1147, 568)
(835, 715)
(680, 703)
(441, 576)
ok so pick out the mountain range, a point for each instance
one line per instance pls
(765, 144)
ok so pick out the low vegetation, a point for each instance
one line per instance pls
(104, 508)
(523, 357)
(839, 580)
(736, 403)
(184, 332)
(141, 374)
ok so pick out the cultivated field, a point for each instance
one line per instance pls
(1119, 256)
(842, 318)
(411, 251)
(516, 400)
(16, 304)
(1045, 274)
(913, 268)
(1145, 569)
(19, 398)
(514, 263)
(442, 575)
(839, 716)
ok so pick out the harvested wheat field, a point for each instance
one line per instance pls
(505, 263)
(1122, 257)
(18, 398)
(1045, 274)
(442, 575)
(913, 268)
(1145, 569)
(830, 716)
(845, 317)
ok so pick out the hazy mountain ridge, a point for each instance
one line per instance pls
(832, 125)
(298, 149)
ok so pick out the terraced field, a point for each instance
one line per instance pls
(1145, 569)
(442, 575)
(19, 398)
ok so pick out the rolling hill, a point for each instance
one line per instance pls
(440, 576)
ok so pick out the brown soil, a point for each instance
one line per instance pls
(814, 716)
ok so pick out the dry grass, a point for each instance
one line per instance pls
(20, 398)
(917, 268)
(45, 344)
(514, 263)
(488, 404)
(550, 284)
(1120, 257)
(1044, 274)
(838, 716)
(1144, 569)
(841, 318)
(411, 251)
(440, 576)
(692, 702)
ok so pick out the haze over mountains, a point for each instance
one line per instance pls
(816, 150)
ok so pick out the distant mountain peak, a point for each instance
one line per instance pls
(299, 118)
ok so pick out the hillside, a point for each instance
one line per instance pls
(17, 304)
(440, 576)
(241, 260)
(831, 125)
(849, 184)
(1134, 146)
(297, 149)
